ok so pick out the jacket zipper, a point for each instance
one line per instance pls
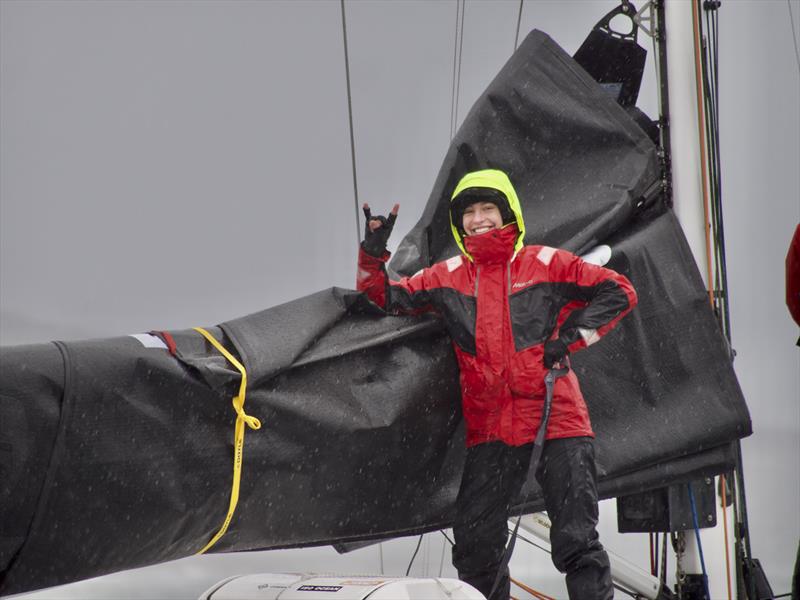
(510, 346)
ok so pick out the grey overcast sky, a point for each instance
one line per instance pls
(171, 164)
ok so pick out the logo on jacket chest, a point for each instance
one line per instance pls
(522, 284)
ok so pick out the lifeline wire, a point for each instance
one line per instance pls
(626, 591)
(441, 561)
(413, 556)
(655, 556)
(532, 543)
(446, 537)
(711, 93)
(710, 65)
(350, 115)
(548, 551)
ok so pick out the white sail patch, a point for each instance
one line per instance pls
(590, 336)
(148, 340)
(599, 255)
(546, 254)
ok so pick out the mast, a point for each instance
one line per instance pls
(688, 181)
(684, 125)
(695, 198)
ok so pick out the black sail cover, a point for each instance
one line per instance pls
(115, 455)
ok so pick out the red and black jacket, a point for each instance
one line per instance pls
(500, 302)
(499, 310)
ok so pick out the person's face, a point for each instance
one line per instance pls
(481, 217)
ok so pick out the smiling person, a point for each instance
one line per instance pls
(513, 312)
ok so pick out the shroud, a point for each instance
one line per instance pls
(114, 455)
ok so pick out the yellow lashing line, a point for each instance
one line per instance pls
(241, 420)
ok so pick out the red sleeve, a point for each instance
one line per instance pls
(793, 276)
(410, 295)
(605, 295)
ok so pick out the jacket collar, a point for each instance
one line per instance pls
(495, 246)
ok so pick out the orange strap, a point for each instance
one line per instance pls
(531, 591)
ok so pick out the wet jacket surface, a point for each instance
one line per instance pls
(499, 310)
(500, 301)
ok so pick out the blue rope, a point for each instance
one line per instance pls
(697, 535)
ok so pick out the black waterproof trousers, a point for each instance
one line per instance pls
(493, 476)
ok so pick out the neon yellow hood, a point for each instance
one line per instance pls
(498, 180)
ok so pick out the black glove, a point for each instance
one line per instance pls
(374, 242)
(555, 351)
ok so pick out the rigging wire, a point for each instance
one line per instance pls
(711, 93)
(413, 556)
(697, 536)
(701, 116)
(452, 543)
(710, 71)
(794, 34)
(350, 115)
(426, 558)
(710, 77)
(455, 63)
(519, 21)
(724, 495)
(457, 71)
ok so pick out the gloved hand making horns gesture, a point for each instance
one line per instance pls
(377, 230)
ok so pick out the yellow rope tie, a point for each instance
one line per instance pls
(241, 420)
